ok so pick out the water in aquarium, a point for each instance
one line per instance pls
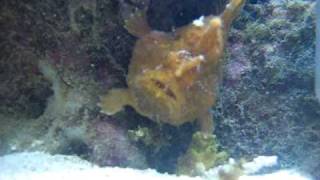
(159, 89)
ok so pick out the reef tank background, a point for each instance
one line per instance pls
(58, 57)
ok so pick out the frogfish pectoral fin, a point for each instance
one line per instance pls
(114, 101)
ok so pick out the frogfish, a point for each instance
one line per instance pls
(173, 77)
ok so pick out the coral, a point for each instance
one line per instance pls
(148, 136)
(172, 76)
(59, 88)
(50, 106)
(202, 155)
(270, 108)
(142, 134)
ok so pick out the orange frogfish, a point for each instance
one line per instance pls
(173, 76)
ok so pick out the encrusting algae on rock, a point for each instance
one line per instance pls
(173, 76)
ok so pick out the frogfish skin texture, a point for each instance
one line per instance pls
(173, 76)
